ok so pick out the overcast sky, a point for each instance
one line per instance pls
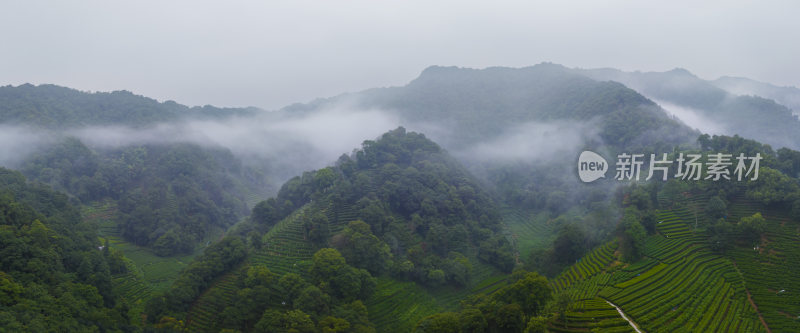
(273, 53)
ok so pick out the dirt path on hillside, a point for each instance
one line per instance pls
(635, 327)
(750, 299)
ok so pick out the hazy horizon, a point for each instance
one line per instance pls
(269, 55)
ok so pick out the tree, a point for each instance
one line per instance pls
(796, 210)
(317, 229)
(265, 212)
(270, 322)
(331, 272)
(570, 244)
(446, 322)
(772, 187)
(752, 227)
(563, 303)
(472, 321)
(363, 249)
(332, 325)
(537, 324)
(297, 321)
(510, 318)
(312, 300)
(274, 321)
(289, 287)
(356, 314)
(436, 277)
(632, 236)
(716, 208)
(530, 293)
(640, 199)
(327, 263)
(720, 239)
(258, 275)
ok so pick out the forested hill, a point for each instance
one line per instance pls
(478, 104)
(788, 96)
(52, 106)
(54, 274)
(169, 197)
(412, 195)
(399, 208)
(748, 115)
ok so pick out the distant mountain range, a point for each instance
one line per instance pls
(728, 106)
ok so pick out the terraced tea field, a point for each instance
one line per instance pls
(285, 250)
(680, 285)
(581, 282)
(771, 271)
(528, 231)
(397, 306)
(157, 273)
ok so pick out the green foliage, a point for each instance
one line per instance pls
(536, 324)
(570, 244)
(53, 276)
(752, 227)
(415, 206)
(291, 321)
(530, 293)
(170, 197)
(504, 310)
(498, 251)
(217, 259)
(773, 186)
(313, 301)
(363, 249)
(53, 106)
(716, 208)
(447, 322)
(721, 236)
(344, 282)
(472, 321)
(631, 237)
(332, 324)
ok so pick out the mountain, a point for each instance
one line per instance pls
(704, 104)
(481, 224)
(166, 194)
(520, 129)
(473, 105)
(55, 107)
(788, 96)
(166, 197)
(399, 208)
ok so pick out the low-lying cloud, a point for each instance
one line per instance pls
(692, 118)
(533, 142)
(18, 142)
(291, 143)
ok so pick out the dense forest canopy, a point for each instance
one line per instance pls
(56, 107)
(55, 275)
(170, 197)
(411, 198)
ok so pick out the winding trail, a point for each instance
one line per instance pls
(635, 327)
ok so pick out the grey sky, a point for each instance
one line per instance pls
(272, 53)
